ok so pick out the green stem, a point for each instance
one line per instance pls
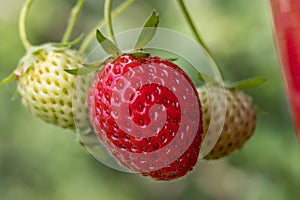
(198, 37)
(192, 25)
(87, 40)
(107, 17)
(72, 20)
(22, 26)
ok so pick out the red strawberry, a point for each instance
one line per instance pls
(147, 113)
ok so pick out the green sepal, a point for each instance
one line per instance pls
(77, 71)
(140, 54)
(8, 79)
(88, 68)
(205, 78)
(30, 57)
(172, 59)
(67, 44)
(246, 84)
(27, 61)
(52, 46)
(148, 31)
(107, 45)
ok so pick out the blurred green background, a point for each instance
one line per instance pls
(40, 161)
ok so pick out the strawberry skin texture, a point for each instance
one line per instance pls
(240, 119)
(124, 137)
(46, 90)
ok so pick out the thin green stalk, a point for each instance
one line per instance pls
(72, 20)
(87, 40)
(22, 26)
(192, 25)
(198, 37)
(107, 17)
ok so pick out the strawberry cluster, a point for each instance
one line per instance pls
(145, 110)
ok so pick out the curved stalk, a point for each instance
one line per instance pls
(197, 35)
(108, 20)
(72, 20)
(22, 22)
(87, 40)
(192, 25)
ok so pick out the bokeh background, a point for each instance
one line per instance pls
(40, 161)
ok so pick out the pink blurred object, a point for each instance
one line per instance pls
(286, 16)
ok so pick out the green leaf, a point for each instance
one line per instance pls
(247, 84)
(108, 46)
(88, 68)
(148, 31)
(8, 79)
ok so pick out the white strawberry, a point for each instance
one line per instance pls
(45, 88)
(240, 118)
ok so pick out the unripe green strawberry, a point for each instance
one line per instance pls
(240, 118)
(45, 88)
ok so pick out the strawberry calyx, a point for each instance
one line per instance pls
(110, 47)
(138, 54)
(27, 61)
(98, 65)
(147, 33)
(32, 57)
(241, 84)
(246, 83)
